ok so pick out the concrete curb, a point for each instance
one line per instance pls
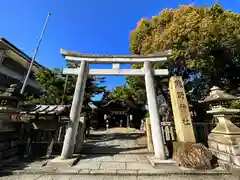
(117, 172)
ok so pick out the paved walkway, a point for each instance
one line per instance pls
(105, 177)
(116, 141)
(112, 155)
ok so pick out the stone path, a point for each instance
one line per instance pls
(105, 177)
(110, 156)
(115, 142)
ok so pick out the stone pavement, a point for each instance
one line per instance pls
(110, 156)
(115, 142)
(107, 177)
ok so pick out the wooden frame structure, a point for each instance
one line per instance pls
(83, 71)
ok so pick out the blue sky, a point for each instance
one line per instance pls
(86, 26)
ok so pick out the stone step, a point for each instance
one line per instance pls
(124, 177)
(119, 172)
(9, 160)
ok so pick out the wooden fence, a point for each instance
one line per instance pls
(37, 141)
(40, 139)
(201, 131)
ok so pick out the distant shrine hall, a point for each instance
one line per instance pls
(110, 113)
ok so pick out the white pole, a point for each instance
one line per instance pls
(34, 56)
(157, 136)
(70, 136)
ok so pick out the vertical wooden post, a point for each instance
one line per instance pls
(149, 135)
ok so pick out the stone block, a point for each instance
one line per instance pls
(142, 159)
(67, 170)
(236, 170)
(43, 170)
(10, 152)
(84, 171)
(88, 165)
(8, 160)
(4, 145)
(125, 158)
(138, 166)
(226, 157)
(221, 155)
(59, 162)
(193, 155)
(103, 172)
(235, 150)
(225, 165)
(127, 172)
(112, 165)
(16, 142)
(158, 163)
(228, 148)
(235, 160)
(222, 147)
(233, 139)
(213, 144)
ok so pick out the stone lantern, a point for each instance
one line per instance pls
(224, 139)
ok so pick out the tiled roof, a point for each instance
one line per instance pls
(47, 110)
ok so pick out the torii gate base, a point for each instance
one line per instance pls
(83, 72)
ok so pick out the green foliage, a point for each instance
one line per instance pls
(236, 104)
(204, 40)
(53, 83)
(121, 92)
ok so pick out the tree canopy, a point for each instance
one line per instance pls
(205, 42)
(59, 89)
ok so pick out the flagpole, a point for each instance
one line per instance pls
(34, 56)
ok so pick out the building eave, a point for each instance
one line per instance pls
(16, 50)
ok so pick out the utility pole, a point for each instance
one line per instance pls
(34, 56)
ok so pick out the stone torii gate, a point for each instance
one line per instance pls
(83, 71)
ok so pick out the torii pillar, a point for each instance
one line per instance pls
(70, 137)
(157, 135)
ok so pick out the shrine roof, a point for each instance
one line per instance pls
(108, 102)
(76, 54)
(47, 110)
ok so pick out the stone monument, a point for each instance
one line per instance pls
(182, 116)
(186, 152)
(224, 139)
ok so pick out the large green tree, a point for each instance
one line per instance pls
(205, 43)
(59, 89)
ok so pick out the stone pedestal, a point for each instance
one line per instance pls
(224, 142)
(224, 139)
